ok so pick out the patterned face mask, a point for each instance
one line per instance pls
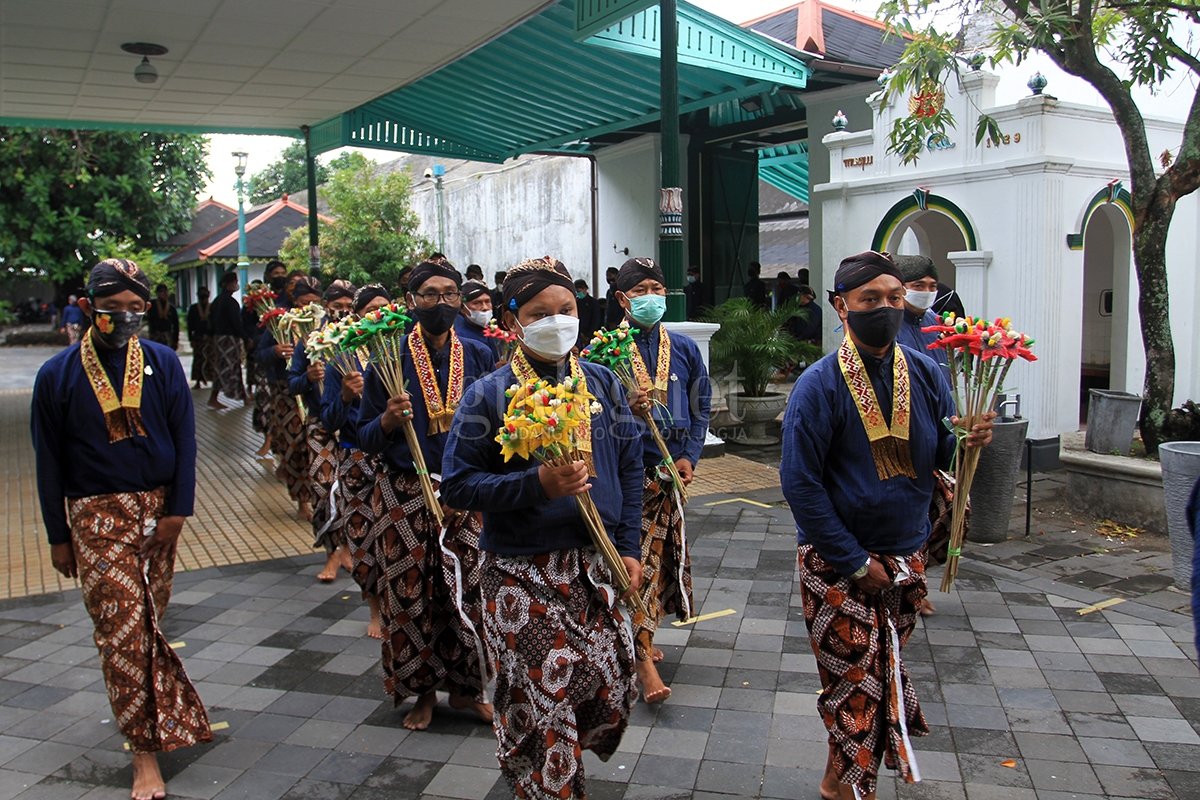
(114, 329)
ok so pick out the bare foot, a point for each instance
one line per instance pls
(148, 782)
(375, 626)
(422, 712)
(653, 688)
(215, 403)
(329, 572)
(305, 512)
(266, 447)
(482, 710)
(830, 788)
(344, 560)
(926, 609)
(656, 655)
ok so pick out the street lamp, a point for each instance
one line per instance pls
(240, 171)
(438, 172)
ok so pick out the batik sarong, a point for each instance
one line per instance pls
(666, 564)
(153, 702)
(429, 600)
(289, 443)
(227, 362)
(74, 330)
(356, 484)
(322, 473)
(563, 663)
(203, 358)
(867, 701)
(256, 377)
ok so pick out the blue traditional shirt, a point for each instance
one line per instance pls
(840, 505)
(518, 518)
(70, 439)
(72, 315)
(337, 416)
(477, 362)
(299, 384)
(275, 368)
(684, 421)
(913, 337)
(469, 330)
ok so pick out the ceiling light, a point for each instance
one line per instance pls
(145, 71)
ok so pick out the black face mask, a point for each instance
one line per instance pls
(876, 328)
(114, 329)
(278, 283)
(436, 320)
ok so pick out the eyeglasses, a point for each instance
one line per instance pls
(429, 298)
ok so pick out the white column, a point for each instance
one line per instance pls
(970, 279)
(701, 333)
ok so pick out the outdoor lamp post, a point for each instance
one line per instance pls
(438, 172)
(240, 170)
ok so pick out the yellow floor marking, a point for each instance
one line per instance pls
(177, 645)
(704, 617)
(739, 500)
(1103, 604)
(219, 726)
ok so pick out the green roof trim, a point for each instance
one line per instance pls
(536, 87)
(706, 40)
(786, 168)
(593, 16)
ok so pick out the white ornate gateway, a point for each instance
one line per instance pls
(1036, 228)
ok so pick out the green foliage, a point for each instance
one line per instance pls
(289, 174)
(752, 343)
(7, 315)
(66, 193)
(373, 234)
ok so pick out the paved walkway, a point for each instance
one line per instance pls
(1027, 697)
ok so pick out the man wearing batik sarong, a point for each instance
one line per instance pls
(863, 432)
(429, 575)
(675, 397)
(225, 330)
(340, 406)
(259, 375)
(114, 434)
(285, 419)
(561, 645)
(306, 381)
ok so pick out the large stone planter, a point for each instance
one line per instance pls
(1180, 470)
(1112, 416)
(755, 413)
(995, 481)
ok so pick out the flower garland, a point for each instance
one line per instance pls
(616, 349)
(979, 355)
(380, 333)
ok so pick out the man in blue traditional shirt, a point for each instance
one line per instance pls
(476, 313)
(921, 287)
(114, 435)
(863, 432)
(675, 397)
(561, 647)
(429, 585)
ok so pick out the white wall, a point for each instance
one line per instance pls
(499, 215)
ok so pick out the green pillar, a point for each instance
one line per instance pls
(314, 241)
(670, 232)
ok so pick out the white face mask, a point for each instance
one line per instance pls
(553, 337)
(480, 318)
(921, 300)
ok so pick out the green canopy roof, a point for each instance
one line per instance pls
(786, 168)
(538, 88)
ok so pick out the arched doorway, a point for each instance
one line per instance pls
(1104, 351)
(929, 225)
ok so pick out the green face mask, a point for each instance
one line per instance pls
(648, 309)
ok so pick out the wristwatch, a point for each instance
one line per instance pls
(861, 571)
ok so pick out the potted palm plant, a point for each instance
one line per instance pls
(750, 347)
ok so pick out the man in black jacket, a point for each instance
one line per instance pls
(225, 331)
